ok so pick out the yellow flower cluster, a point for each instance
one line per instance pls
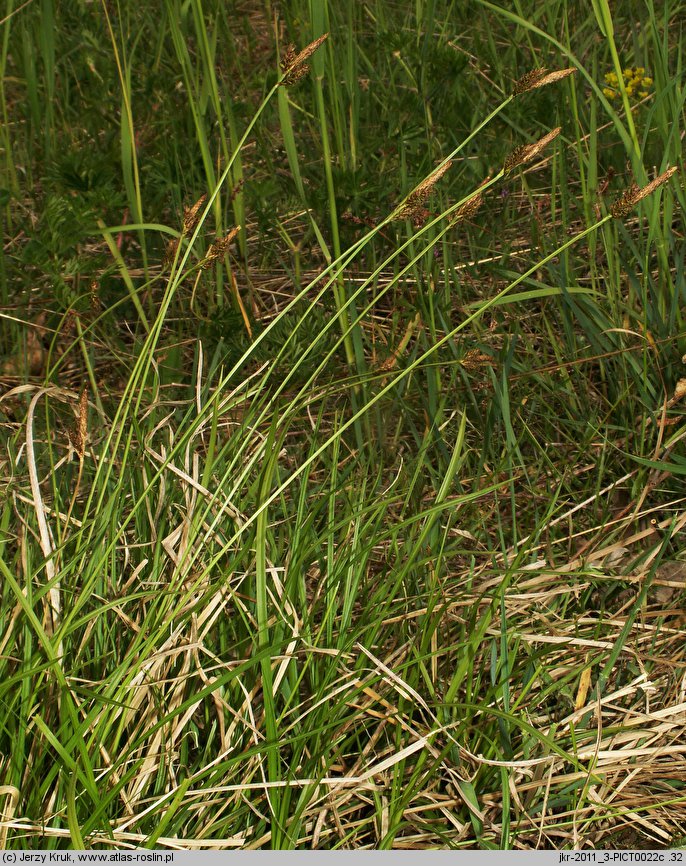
(635, 81)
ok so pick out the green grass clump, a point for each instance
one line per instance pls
(342, 426)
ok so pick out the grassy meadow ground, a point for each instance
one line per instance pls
(342, 425)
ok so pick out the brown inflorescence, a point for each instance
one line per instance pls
(294, 66)
(413, 206)
(540, 78)
(170, 251)
(219, 248)
(527, 152)
(469, 208)
(191, 216)
(628, 200)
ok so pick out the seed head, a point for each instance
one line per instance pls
(294, 66)
(413, 206)
(79, 435)
(219, 248)
(170, 251)
(628, 200)
(191, 216)
(96, 305)
(623, 206)
(475, 359)
(540, 78)
(527, 152)
(469, 208)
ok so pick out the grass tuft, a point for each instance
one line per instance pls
(335, 515)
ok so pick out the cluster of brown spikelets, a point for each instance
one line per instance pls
(469, 208)
(540, 78)
(294, 65)
(528, 152)
(78, 436)
(219, 248)
(628, 200)
(191, 218)
(413, 206)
